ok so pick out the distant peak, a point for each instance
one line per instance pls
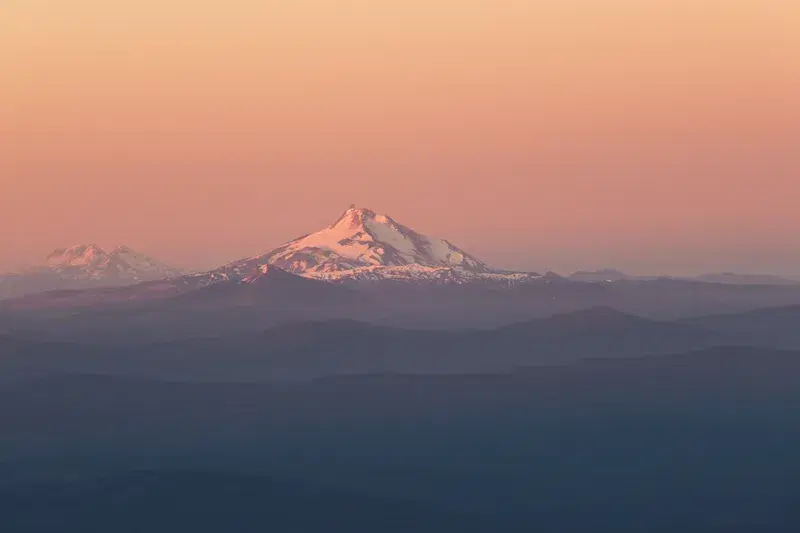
(89, 261)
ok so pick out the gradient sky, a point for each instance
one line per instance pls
(650, 135)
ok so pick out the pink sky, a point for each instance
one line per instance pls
(649, 135)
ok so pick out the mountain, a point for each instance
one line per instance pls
(362, 238)
(362, 245)
(597, 276)
(92, 262)
(731, 278)
(85, 266)
(609, 275)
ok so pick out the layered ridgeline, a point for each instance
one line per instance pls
(312, 271)
(362, 245)
(86, 266)
(363, 266)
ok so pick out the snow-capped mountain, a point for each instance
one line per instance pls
(92, 262)
(85, 266)
(362, 238)
(362, 245)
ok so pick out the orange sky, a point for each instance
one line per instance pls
(650, 135)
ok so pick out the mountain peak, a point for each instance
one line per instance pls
(362, 238)
(355, 217)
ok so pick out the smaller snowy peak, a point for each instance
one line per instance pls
(90, 262)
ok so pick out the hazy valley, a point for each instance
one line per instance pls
(386, 380)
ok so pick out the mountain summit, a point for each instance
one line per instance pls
(363, 245)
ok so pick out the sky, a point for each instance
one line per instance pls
(655, 136)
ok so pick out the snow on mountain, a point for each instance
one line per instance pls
(409, 273)
(90, 262)
(84, 256)
(362, 245)
(362, 238)
(85, 266)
